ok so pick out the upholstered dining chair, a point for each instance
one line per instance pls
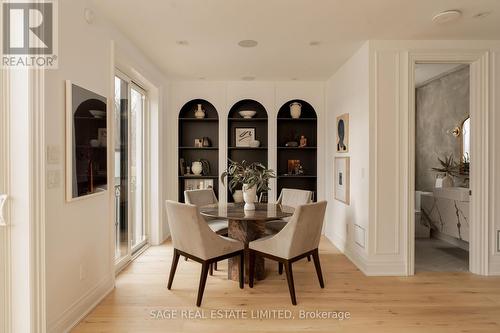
(299, 238)
(192, 238)
(202, 198)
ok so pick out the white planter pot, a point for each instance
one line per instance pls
(249, 196)
(448, 181)
(238, 196)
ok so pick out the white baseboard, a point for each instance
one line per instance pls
(494, 265)
(375, 267)
(339, 242)
(79, 309)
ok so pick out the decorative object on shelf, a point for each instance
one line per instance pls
(197, 168)
(206, 167)
(295, 110)
(199, 113)
(238, 196)
(448, 169)
(342, 179)
(102, 136)
(182, 167)
(198, 184)
(206, 142)
(86, 127)
(343, 133)
(294, 167)
(254, 179)
(291, 144)
(247, 114)
(254, 143)
(303, 141)
(188, 170)
(198, 143)
(244, 135)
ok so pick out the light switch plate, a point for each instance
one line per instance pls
(53, 154)
(53, 179)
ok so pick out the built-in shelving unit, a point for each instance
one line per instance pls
(191, 128)
(258, 122)
(290, 129)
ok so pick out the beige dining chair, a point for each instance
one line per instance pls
(299, 238)
(202, 198)
(192, 238)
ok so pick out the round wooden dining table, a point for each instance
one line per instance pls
(246, 226)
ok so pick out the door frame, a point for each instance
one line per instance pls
(478, 62)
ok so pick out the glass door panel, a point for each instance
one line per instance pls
(136, 162)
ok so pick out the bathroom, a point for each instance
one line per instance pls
(442, 159)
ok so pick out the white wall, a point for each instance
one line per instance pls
(347, 92)
(224, 94)
(80, 234)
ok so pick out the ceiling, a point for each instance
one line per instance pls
(284, 30)
(426, 72)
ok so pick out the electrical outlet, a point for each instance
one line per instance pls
(53, 179)
(83, 272)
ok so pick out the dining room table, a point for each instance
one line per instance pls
(246, 226)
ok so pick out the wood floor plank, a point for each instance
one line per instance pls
(428, 302)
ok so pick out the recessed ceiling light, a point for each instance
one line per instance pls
(481, 15)
(294, 79)
(314, 43)
(182, 42)
(248, 78)
(202, 78)
(248, 43)
(447, 16)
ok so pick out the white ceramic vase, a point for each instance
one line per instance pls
(448, 181)
(197, 168)
(199, 113)
(249, 196)
(238, 196)
(295, 110)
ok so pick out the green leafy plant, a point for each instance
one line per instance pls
(253, 174)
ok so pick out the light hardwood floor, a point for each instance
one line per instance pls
(427, 302)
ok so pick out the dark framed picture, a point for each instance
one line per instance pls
(343, 133)
(244, 135)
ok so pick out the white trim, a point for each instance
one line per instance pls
(83, 306)
(480, 178)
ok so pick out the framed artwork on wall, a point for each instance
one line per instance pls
(343, 133)
(244, 135)
(342, 179)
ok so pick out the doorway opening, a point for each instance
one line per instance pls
(442, 167)
(131, 229)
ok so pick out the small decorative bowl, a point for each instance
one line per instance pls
(247, 113)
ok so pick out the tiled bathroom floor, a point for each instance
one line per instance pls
(434, 255)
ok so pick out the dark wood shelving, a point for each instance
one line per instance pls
(259, 122)
(305, 125)
(191, 128)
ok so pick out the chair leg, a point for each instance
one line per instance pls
(185, 258)
(308, 257)
(251, 268)
(215, 266)
(175, 260)
(211, 269)
(203, 281)
(318, 268)
(289, 278)
(242, 269)
(280, 268)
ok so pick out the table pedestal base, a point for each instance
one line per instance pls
(246, 231)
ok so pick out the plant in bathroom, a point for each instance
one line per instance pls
(449, 168)
(253, 177)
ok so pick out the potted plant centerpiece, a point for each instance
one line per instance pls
(448, 167)
(253, 177)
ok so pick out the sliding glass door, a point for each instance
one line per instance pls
(129, 154)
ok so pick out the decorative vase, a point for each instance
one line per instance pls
(199, 113)
(295, 110)
(448, 181)
(254, 143)
(238, 196)
(249, 196)
(196, 168)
